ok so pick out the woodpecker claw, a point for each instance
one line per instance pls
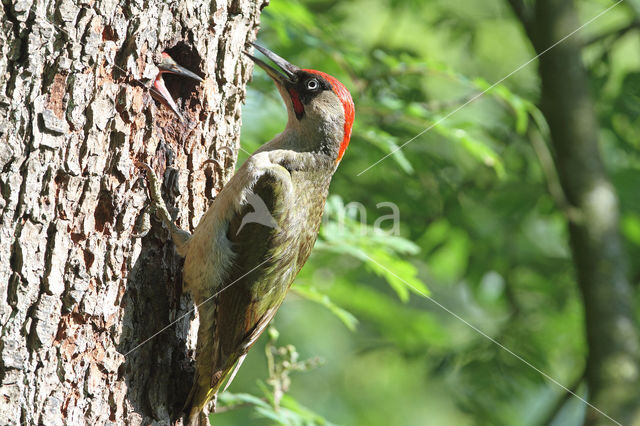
(179, 236)
(159, 90)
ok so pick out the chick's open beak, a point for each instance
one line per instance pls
(168, 65)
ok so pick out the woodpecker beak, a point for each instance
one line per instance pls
(287, 73)
(160, 93)
(168, 65)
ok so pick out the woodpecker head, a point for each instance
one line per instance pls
(159, 90)
(320, 108)
(169, 66)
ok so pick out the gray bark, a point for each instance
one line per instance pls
(613, 364)
(78, 289)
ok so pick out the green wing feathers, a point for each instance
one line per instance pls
(255, 287)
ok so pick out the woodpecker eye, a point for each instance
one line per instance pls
(312, 84)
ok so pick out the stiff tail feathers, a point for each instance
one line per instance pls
(234, 372)
(199, 397)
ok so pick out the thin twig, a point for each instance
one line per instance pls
(615, 34)
(551, 174)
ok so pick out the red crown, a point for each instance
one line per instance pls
(347, 103)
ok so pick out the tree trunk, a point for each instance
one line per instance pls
(82, 291)
(612, 335)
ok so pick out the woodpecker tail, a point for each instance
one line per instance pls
(201, 402)
(203, 397)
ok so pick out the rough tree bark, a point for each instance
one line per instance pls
(613, 364)
(78, 289)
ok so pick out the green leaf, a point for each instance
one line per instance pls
(631, 228)
(381, 253)
(312, 294)
(303, 412)
(476, 148)
(289, 413)
(409, 327)
(387, 144)
(449, 261)
(435, 234)
(399, 273)
(227, 399)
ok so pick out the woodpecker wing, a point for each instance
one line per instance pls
(265, 263)
(264, 266)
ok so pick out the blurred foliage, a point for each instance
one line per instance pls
(478, 229)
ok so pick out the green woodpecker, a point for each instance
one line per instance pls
(258, 233)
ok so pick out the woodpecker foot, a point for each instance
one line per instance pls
(143, 224)
(179, 237)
